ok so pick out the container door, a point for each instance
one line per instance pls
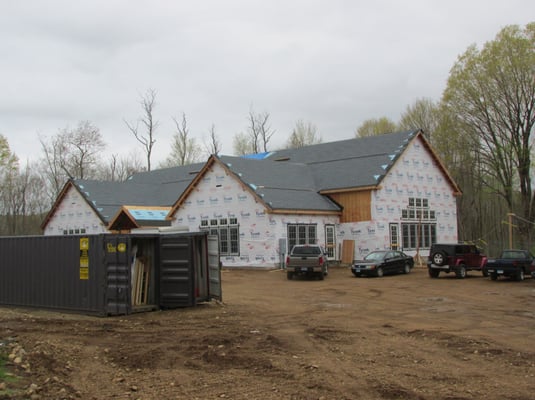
(176, 271)
(117, 262)
(214, 270)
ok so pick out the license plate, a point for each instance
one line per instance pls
(357, 269)
(500, 271)
(304, 269)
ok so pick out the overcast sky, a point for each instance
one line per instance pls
(334, 63)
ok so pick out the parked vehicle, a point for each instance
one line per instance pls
(455, 257)
(308, 260)
(512, 263)
(378, 263)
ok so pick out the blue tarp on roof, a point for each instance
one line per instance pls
(258, 156)
(150, 215)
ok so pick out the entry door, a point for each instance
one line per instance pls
(330, 242)
(394, 236)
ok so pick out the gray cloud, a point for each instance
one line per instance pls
(334, 63)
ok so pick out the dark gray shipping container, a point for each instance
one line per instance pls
(98, 274)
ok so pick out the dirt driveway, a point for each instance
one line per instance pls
(396, 337)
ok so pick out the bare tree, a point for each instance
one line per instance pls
(214, 144)
(184, 149)
(304, 134)
(146, 136)
(120, 168)
(71, 154)
(260, 131)
(85, 145)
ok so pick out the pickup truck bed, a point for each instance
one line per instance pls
(309, 260)
(512, 263)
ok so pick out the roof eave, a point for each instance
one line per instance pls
(307, 212)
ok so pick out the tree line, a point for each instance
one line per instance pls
(481, 130)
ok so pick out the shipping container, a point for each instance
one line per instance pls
(110, 274)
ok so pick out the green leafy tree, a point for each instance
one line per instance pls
(490, 95)
(376, 126)
(304, 134)
(242, 144)
(422, 114)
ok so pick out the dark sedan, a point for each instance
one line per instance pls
(380, 262)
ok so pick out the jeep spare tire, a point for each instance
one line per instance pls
(439, 258)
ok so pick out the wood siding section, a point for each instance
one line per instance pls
(356, 205)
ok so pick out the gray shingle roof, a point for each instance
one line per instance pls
(108, 197)
(291, 184)
(281, 185)
(349, 163)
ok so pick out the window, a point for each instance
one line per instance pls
(228, 232)
(301, 234)
(418, 227)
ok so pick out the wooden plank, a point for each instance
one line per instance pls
(348, 251)
(357, 205)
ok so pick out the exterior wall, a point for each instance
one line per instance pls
(74, 215)
(219, 195)
(416, 175)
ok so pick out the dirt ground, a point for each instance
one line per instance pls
(396, 337)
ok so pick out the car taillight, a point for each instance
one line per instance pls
(287, 260)
(321, 260)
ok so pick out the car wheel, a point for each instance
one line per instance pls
(484, 272)
(520, 275)
(494, 276)
(439, 258)
(321, 276)
(433, 273)
(406, 269)
(379, 272)
(289, 275)
(461, 272)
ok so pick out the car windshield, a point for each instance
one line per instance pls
(375, 255)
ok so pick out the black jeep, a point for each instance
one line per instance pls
(455, 257)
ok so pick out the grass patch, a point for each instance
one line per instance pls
(5, 375)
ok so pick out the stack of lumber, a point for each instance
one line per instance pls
(140, 281)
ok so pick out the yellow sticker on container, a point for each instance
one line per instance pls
(121, 247)
(84, 243)
(84, 273)
(84, 262)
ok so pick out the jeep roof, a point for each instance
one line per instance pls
(454, 248)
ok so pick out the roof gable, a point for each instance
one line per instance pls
(295, 179)
(130, 217)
